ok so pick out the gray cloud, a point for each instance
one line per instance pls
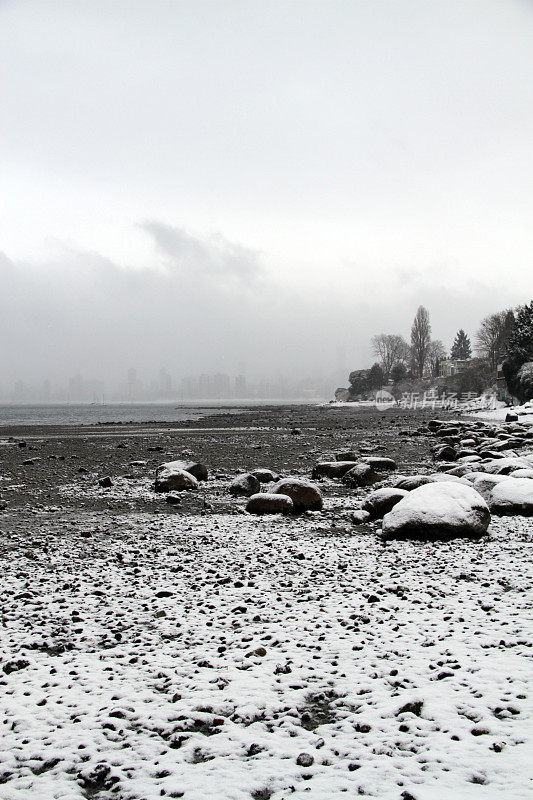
(195, 256)
(206, 306)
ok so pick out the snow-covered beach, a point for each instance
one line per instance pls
(151, 650)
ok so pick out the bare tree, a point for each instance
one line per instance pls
(436, 354)
(491, 337)
(420, 340)
(391, 349)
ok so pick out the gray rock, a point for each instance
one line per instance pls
(332, 469)
(170, 478)
(359, 517)
(269, 503)
(265, 475)
(413, 482)
(381, 501)
(380, 462)
(244, 485)
(305, 495)
(361, 474)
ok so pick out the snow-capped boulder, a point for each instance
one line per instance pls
(522, 473)
(244, 485)
(438, 510)
(306, 496)
(170, 478)
(503, 466)
(484, 483)
(164, 472)
(512, 496)
(268, 503)
(381, 501)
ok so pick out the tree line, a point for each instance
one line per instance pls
(503, 338)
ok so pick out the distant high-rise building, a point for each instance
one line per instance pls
(165, 383)
(221, 386)
(76, 389)
(240, 386)
(204, 386)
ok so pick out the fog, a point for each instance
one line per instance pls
(202, 186)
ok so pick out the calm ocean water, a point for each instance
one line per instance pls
(123, 412)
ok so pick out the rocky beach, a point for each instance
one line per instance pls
(372, 638)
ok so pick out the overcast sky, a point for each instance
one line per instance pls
(194, 184)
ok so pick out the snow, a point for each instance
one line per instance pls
(173, 696)
(513, 494)
(448, 507)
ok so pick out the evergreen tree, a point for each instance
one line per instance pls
(461, 347)
(520, 353)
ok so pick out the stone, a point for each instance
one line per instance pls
(381, 501)
(171, 478)
(265, 475)
(503, 466)
(173, 499)
(413, 482)
(522, 473)
(345, 455)
(380, 462)
(244, 485)
(445, 453)
(105, 483)
(438, 510)
(305, 495)
(361, 474)
(485, 483)
(195, 468)
(332, 469)
(305, 760)
(359, 517)
(269, 503)
(512, 496)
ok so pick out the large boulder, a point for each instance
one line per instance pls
(381, 501)
(306, 496)
(170, 478)
(361, 474)
(268, 503)
(332, 469)
(512, 496)
(244, 485)
(438, 510)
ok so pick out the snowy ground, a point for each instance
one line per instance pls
(399, 670)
